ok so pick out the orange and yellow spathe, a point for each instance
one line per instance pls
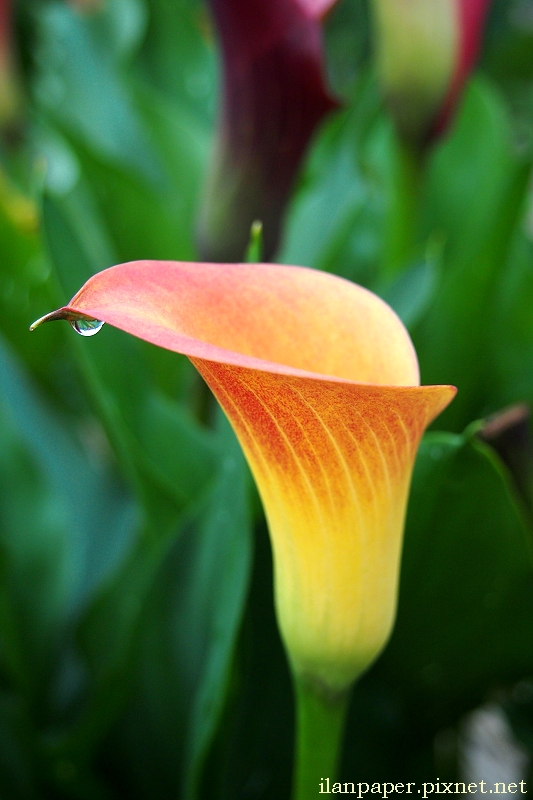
(320, 382)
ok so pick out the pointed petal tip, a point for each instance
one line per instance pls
(447, 394)
(65, 312)
(48, 318)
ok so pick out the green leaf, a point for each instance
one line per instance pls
(478, 218)
(180, 58)
(214, 598)
(412, 292)
(507, 59)
(23, 276)
(188, 638)
(510, 340)
(16, 732)
(95, 516)
(81, 83)
(68, 526)
(183, 453)
(330, 200)
(254, 746)
(166, 456)
(468, 566)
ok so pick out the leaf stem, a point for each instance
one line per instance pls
(319, 727)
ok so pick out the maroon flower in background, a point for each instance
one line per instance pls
(10, 90)
(274, 96)
(5, 30)
(471, 17)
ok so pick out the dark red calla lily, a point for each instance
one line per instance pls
(9, 86)
(274, 96)
(472, 15)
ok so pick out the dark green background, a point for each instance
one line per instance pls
(139, 656)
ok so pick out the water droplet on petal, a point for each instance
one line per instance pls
(85, 326)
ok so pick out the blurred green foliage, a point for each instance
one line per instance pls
(139, 656)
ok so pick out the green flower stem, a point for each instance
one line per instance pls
(403, 218)
(319, 729)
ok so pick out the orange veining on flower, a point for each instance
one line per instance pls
(320, 382)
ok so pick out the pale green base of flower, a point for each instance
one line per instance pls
(320, 721)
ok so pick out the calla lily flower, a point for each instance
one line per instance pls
(274, 96)
(10, 92)
(426, 50)
(320, 381)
